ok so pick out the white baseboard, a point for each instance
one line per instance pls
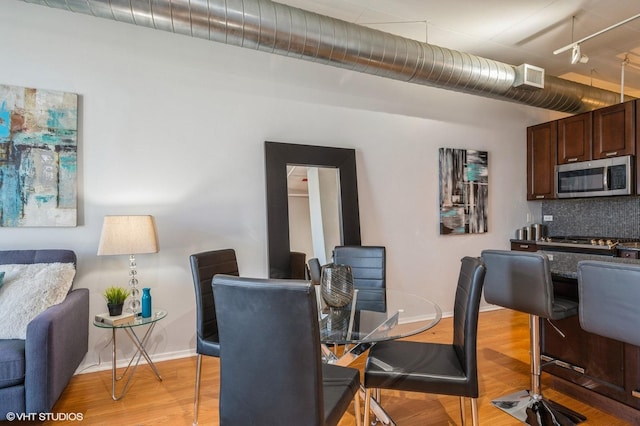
(106, 364)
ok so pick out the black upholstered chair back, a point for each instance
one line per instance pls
(520, 281)
(610, 300)
(204, 266)
(465, 318)
(271, 371)
(368, 264)
(298, 265)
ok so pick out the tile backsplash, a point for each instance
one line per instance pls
(598, 217)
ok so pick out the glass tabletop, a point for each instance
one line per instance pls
(157, 315)
(407, 314)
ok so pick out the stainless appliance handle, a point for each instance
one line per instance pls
(605, 178)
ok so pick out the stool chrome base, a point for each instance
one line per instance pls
(537, 411)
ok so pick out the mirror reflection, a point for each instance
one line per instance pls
(314, 210)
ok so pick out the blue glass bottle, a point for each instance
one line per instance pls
(146, 302)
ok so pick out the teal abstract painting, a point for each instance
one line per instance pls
(38, 157)
(464, 191)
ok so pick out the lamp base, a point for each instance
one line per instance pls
(134, 298)
(536, 411)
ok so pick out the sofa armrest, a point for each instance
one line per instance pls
(57, 341)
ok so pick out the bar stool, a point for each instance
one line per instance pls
(522, 281)
(609, 299)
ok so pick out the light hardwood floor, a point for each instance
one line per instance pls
(503, 351)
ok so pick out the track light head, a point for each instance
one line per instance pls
(577, 56)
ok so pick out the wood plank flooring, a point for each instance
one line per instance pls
(503, 350)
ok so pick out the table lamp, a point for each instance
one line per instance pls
(129, 235)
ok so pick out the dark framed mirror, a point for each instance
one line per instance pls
(280, 155)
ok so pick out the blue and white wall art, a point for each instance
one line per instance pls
(38, 157)
(464, 189)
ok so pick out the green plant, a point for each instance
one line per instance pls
(116, 295)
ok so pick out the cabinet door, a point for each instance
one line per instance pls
(574, 138)
(610, 367)
(614, 131)
(541, 160)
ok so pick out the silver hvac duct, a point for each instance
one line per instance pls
(276, 28)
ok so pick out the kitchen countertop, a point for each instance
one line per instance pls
(565, 265)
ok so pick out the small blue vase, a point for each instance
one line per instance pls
(146, 303)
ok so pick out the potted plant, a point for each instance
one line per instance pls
(115, 299)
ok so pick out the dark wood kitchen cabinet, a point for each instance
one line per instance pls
(614, 131)
(602, 365)
(574, 138)
(541, 160)
(521, 246)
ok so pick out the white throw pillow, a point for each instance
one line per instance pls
(27, 291)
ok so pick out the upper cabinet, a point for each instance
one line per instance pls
(614, 130)
(574, 138)
(541, 160)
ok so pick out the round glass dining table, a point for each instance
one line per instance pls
(406, 314)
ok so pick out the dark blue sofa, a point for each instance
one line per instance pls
(35, 371)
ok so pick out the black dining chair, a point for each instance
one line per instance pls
(368, 264)
(449, 369)
(204, 266)
(609, 298)
(298, 262)
(522, 281)
(270, 357)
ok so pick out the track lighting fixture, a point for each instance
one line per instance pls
(577, 56)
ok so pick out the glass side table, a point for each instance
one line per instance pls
(140, 352)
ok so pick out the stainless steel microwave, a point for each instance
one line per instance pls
(597, 178)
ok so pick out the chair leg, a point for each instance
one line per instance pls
(536, 366)
(367, 406)
(356, 409)
(197, 390)
(474, 412)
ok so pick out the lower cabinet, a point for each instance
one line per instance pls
(606, 366)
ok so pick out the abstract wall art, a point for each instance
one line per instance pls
(464, 188)
(38, 157)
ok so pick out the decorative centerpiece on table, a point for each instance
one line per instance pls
(336, 285)
(115, 297)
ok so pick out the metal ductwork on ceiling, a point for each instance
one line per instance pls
(276, 28)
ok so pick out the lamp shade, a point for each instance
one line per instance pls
(128, 235)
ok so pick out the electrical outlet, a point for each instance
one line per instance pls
(547, 218)
(528, 217)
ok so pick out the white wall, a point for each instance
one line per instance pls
(175, 127)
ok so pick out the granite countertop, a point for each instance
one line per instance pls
(565, 264)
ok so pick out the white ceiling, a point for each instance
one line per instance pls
(512, 31)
